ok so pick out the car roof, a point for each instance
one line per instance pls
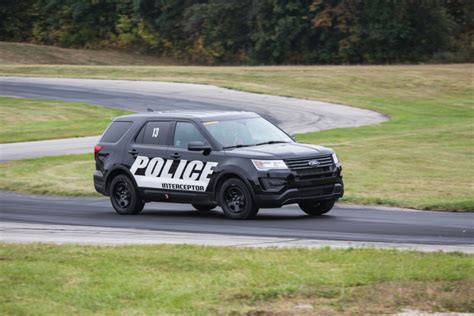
(193, 115)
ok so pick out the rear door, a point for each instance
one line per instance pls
(148, 153)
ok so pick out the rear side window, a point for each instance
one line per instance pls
(115, 131)
(154, 133)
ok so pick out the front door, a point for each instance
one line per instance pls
(193, 168)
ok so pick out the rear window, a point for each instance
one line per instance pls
(115, 131)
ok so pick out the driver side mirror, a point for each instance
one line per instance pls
(199, 146)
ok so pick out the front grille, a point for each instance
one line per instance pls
(315, 173)
(303, 165)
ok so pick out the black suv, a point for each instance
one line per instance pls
(237, 160)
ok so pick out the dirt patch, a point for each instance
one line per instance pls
(411, 298)
(30, 54)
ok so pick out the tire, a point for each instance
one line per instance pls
(124, 196)
(236, 200)
(316, 208)
(204, 207)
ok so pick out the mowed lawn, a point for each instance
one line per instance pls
(56, 175)
(169, 279)
(422, 158)
(28, 119)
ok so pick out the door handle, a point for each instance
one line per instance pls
(175, 156)
(133, 152)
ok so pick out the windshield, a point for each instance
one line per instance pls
(246, 132)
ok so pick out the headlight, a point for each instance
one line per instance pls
(334, 157)
(265, 165)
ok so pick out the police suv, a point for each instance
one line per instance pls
(237, 160)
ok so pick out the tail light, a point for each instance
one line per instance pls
(97, 149)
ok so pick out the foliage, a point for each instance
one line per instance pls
(251, 31)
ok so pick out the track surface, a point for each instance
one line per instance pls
(54, 147)
(293, 115)
(342, 224)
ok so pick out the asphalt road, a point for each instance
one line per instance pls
(293, 115)
(54, 147)
(347, 223)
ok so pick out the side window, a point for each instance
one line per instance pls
(186, 132)
(154, 133)
(115, 131)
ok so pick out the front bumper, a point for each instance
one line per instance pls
(290, 196)
(275, 189)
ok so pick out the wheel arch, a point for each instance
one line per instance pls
(229, 175)
(115, 172)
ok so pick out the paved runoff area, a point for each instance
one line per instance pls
(63, 234)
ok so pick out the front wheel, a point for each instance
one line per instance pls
(316, 208)
(236, 200)
(124, 196)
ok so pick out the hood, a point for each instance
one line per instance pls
(280, 151)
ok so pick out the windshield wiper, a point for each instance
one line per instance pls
(271, 142)
(238, 146)
(250, 145)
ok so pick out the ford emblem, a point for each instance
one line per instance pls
(313, 163)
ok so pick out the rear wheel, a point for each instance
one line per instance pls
(124, 196)
(316, 208)
(236, 200)
(204, 206)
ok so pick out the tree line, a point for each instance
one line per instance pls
(252, 31)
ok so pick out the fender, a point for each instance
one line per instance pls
(122, 168)
(233, 171)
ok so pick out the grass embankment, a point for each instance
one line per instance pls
(200, 280)
(26, 119)
(56, 175)
(22, 53)
(422, 158)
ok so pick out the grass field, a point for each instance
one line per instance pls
(139, 280)
(57, 175)
(422, 158)
(27, 119)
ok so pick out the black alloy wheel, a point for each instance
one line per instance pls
(236, 200)
(124, 196)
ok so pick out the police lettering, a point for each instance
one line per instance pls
(191, 171)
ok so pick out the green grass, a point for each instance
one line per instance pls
(27, 119)
(56, 175)
(422, 158)
(163, 279)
